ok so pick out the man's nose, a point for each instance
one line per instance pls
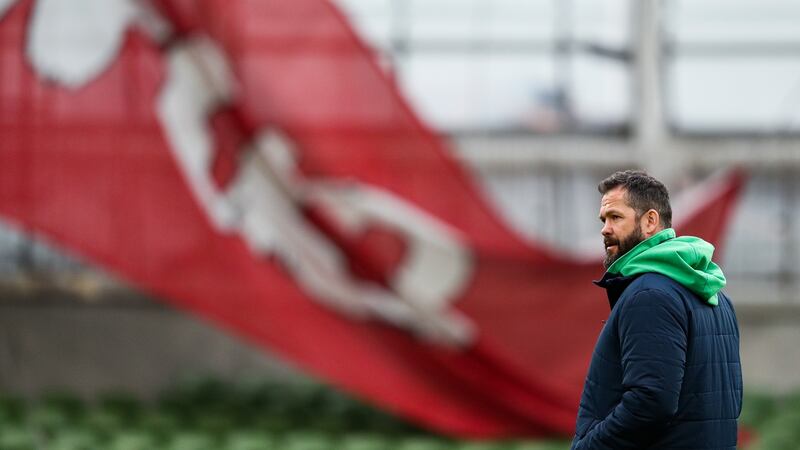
(606, 231)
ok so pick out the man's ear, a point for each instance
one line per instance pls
(651, 223)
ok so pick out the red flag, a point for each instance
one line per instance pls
(250, 162)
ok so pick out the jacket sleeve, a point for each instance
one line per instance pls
(653, 340)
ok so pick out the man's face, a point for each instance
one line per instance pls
(621, 228)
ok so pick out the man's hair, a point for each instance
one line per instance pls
(643, 193)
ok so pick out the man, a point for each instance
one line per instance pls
(665, 373)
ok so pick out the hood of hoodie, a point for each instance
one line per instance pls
(685, 259)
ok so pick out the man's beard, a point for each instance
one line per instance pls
(624, 246)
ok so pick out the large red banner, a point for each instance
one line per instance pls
(250, 162)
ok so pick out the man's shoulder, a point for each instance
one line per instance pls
(654, 284)
(653, 281)
(655, 289)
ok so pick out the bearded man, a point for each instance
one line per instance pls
(665, 372)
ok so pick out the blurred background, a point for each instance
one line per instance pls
(541, 99)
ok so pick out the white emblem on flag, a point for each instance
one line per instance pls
(73, 41)
(263, 204)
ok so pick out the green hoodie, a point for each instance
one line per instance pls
(685, 259)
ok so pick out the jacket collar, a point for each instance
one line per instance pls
(614, 284)
(613, 281)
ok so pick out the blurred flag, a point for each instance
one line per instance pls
(250, 162)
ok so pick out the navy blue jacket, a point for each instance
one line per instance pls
(665, 373)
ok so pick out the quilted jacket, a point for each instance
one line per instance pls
(665, 372)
